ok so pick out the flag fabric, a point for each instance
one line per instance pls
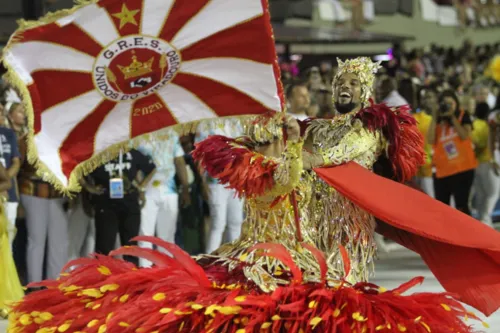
(105, 72)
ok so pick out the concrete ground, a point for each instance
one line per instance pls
(396, 268)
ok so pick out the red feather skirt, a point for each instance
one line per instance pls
(178, 294)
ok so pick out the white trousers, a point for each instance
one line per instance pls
(158, 217)
(81, 232)
(11, 214)
(487, 190)
(47, 228)
(226, 215)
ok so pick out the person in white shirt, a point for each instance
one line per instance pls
(298, 100)
(161, 209)
(482, 94)
(386, 92)
(226, 209)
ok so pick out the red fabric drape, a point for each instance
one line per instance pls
(463, 253)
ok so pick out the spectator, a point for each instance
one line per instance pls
(46, 223)
(408, 91)
(226, 209)
(116, 199)
(10, 159)
(486, 182)
(313, 110)
(192, 217)
(17, 119)
(482, 94)
(81, 226)
(386, 92)
(454, 158)
(159, 214)
(298, 100)
(428, 98)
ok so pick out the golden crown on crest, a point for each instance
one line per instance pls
(137, 68)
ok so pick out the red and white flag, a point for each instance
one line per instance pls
(112, 70)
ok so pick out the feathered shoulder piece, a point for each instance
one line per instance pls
(234, 164)
(406, 143)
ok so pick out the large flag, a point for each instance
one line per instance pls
(108, 71)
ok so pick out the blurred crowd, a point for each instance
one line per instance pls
(456, 103)
(486, 12)
(164, 193)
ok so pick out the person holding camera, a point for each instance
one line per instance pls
(454, 157)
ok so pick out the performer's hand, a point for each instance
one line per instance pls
(292, 128)
(311, 161)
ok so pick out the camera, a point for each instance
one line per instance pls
(444, 107)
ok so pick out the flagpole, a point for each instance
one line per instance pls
(293, 199)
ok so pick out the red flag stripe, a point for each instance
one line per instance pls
(79, 144)
(219, 97)
(125, 15)
(179, 15)
(36, 102)
(225, 44)
(150, 114)
(53, 86)
(70, 36)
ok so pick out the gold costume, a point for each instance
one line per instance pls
(327, 219)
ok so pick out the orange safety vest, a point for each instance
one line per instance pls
(452, 155)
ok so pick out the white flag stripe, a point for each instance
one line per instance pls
(221, 15)
(51, 56)
(49, 156)
(154, 15)
(15, 62)
(57, 123)
(184, 105)
(115, 128)
(254, 79)
(97, 23)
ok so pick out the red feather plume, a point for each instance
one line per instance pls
(406, 143)
(230, 161)
(105, 294)
(320, 258)
(280, 252)
(181, 257)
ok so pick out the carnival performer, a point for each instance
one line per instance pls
(10, 286)
(306, 249)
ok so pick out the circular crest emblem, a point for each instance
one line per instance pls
(134, 67)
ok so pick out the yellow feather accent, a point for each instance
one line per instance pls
(315, 321)
(446, 307)
(426, 326)
(104, 270)
(266, 325)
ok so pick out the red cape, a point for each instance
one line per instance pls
(463, 253)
